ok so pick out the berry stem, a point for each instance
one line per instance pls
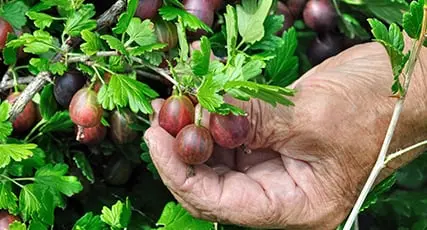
(199, 115)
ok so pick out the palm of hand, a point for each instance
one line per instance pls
(306, 167)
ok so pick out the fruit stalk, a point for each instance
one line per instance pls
(106, 19)
(380, 163)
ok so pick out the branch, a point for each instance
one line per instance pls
(379, 164)
(106, 19)
(8, 84)
(399, 153)
(84, 58)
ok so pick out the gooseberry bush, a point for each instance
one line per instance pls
(79, 77)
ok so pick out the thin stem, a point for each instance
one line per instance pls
(15, 82)
(379, 164)
(337, 7)
(12, 180)
(25, 179)
(42, 122)
(403, 151)
(199, 115)
(160, 71)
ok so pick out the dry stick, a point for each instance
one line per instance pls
(379, 165)
(106, 19)
(8, 84)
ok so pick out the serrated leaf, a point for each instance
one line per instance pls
(271, 94)
(272, 24)
(48, 105)
(16, 225)
(126, 17)
(283, 68)
(174, 216)
(252, 69)
(89, 222)
(4, 111)
(17, 152)
(29, 203)
(190, 21)
(119, 214)
(114, 43)
(83, 164)
(182, 39)
(390, 11)
(39, 64)
(201, 58)
(37, 43)
(146, 49)
(92, 43)
(14, 13)
(10, 53)
(41, 20)
(125, 91)
(54, 177)
(59, 122)
(413, 19)
(81, 20)
(250, 19)
(141, 32)
(231, 30)
(207, 94)
(8, 199)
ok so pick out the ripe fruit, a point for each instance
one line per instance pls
(66, 86)
(229, 131)
(323, 47)
(98, 83)
(176, 113)
(194, 144)
(91, 136)
(320, 15)
(120, 131)
(5, 29)
(6, 219)
(118, 171)
(296, 7)
(289, 19)
(84, 108)
(203, 10)
(166, 33)
(26, 118)
(147, 9)
(217, 4)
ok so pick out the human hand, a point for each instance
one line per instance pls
(309, 161)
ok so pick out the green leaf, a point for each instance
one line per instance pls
(83, 164)
(252, 69)
(231, 30)
(39, 64)
(60, 122)
(271, 94)
(392, 40)
(48, 105)
(272, 24)
(16, 225)
(182, 39)
(201, 58)
(126, 17)
(81, 20)
(390, 11)
(8, 199)
(379, 189)
(118, 216)
(17, 152)
(92, 43)
(207, 94)
(141, 32)
(4, 111)
(123, 91)
(413, 19)
(352, 28)
(89, 222)
(283, 68)
(37, 225)
(190, 21)
(5, 126)
(29, 202)
(146, 49)
(250, 19)
(145, 156)
(14, 13)
(54, 177)
(174, 216)
(41, 20)
(10, 53)
(37, 43)
(114, 43)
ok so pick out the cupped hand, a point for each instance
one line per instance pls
(309, 161)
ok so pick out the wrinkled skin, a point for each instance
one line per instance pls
(309, 162)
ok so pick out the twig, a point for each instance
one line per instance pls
(158, 70)
(149, 75)
(379, 164)
(399, 153)
(42, 78)
(10, 83)
(84, 58)
(6, 78)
